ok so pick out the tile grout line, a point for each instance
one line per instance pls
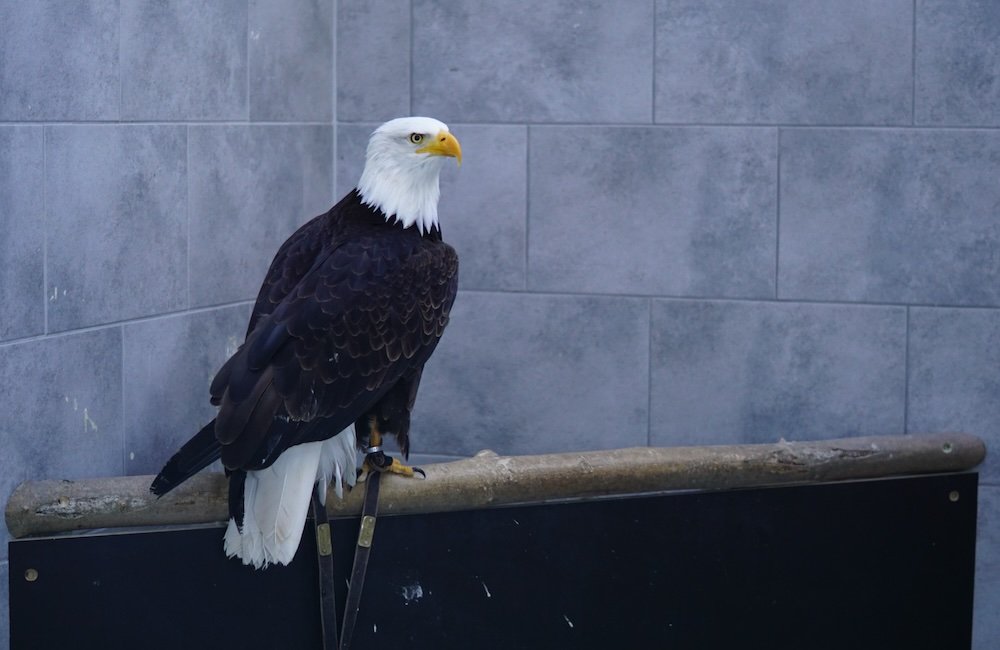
(913, 68)
(121, 329)
(187, 207)
(517, 292)
(246, 38)
(409, 66)
(45, 234)
(130, 321)
(777, 213)
(649, 372)
(652, 117)
(333, 100)
(906, 373)
(527, 203)
(121, 92)
(903, 126)
(557, 125)
(182, 122)
(706, 298)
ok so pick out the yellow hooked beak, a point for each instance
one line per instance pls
(443, 144)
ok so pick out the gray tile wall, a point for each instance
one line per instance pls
(152, 157)
(691, 222)
(679, 222)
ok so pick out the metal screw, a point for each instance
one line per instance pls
(946, 447)
(953, 496)
(31, 575)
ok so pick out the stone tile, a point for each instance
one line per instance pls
(986, 615)
(484, 206)
(483, 203)
(527, 374)
(291, 60)
(184, 60)
(747, 372)
(352, 141)
(954, 383)
(587, 61)
(117, 221)
(957, 63)
(251, 187)
(804, 62)
(59, 60)
(653, 210)
(896, 216)
(62, 405)
(169, 364)
(22, 222)
(373, 60)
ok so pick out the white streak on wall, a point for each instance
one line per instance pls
(87, 422)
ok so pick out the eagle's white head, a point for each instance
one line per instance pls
(402, 168)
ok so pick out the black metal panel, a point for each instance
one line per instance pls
(874, 564)
(164, 589)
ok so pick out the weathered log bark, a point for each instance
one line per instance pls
(44, 507)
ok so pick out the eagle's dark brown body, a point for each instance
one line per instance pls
(352, 307)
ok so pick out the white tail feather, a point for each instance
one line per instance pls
(339, 462)
(276, 499)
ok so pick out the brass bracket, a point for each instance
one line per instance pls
(367, 531)
(323, 542)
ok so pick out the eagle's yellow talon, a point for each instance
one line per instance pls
(380, 462)
(405, 470)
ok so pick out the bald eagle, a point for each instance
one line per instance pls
(353, 305)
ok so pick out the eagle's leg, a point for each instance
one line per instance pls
(378, 461)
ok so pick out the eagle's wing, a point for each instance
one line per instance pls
(364, 313)
(291, 263)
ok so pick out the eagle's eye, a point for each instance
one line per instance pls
(416, 138)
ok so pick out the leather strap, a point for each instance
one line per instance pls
(324, 556)
(361, 553)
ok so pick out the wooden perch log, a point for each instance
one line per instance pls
(45, 507)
